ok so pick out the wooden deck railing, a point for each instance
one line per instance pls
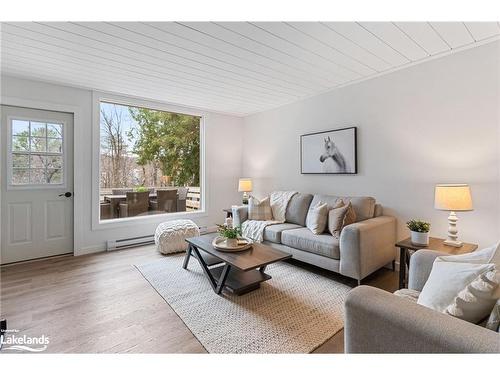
(193, 199)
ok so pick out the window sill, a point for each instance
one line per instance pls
(144, 220)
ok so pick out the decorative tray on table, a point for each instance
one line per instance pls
(221, 244)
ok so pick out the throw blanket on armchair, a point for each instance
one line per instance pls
(254, 229)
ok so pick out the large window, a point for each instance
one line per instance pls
(149, 162)
(36, 153)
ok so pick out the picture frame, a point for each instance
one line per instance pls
(329, 152)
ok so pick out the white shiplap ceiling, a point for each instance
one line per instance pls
(231, 67)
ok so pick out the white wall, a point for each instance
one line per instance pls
(223, 160)
(437, 122)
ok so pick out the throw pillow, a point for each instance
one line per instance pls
(340, 216)
(446, 280)
(317, 218)
(493, 322)
(259, 210)
(477, 299)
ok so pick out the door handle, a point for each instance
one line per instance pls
(67, 194)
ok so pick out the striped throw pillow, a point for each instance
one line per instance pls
(259, 210)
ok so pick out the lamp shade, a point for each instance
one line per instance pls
(453, 197)
(245, 185)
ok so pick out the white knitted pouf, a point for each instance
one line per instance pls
(170, 236)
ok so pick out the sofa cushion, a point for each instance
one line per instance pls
(363, 206)
(298, 206)
(320, 244)
(272, 233)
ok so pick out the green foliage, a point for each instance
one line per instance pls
(141, 189)
(170, 140)
(418, 226)
(228, 232)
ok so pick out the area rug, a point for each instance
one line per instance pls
(294, 312)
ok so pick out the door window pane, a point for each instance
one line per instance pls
(38, 129)
(54, 145)
(54, 176)
(54, 130)
(38, 144)
(36, 153)
(20, 176)
(38, 161)
(21, 161)
(54, 162)
(37, 175)
(20, 143)
(20, 127)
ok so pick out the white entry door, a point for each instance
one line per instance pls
(37, 183)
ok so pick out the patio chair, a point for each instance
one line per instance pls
(165, 201)
(105, 210)
(181, 199)
(135, 204)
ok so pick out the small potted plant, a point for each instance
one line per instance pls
(230, 234)
(141, 189)
(419, 231)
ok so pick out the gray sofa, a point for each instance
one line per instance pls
(380, 322)
(363, 247)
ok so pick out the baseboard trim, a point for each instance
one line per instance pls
(91, 250)
(35, 259)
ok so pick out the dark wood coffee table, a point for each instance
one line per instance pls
(240, 272)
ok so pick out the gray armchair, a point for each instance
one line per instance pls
(380, 322)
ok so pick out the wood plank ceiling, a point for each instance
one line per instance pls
(238, 68)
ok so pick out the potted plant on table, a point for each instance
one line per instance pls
(230, 234)
(419, 231)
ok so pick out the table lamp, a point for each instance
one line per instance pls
(452, 197)
(245, 186)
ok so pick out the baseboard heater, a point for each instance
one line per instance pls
(125, 243)
(129, 242)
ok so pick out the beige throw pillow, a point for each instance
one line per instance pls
(340, 216)
(259, 210)
(476, 300)
(317, 218)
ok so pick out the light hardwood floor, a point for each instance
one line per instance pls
(101, 304)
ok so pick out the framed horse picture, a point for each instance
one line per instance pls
(329, 152)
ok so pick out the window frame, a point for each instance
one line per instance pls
(10, 152)
(97, 223)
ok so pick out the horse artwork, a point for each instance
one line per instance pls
(329, 152)
(332, 159)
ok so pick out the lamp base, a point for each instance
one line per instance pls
(245, 198)
(452, 239)
(453, 243)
